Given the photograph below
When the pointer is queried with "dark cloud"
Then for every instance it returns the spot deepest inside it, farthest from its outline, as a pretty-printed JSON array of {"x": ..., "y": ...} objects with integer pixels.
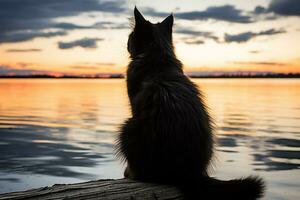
[
  {"x": 193, "y": 41},
  {"x": 8, "y": 37},
  {"x": 110, "y": 25},
  {"x": 17, "y": 17},
  {"x": 84, "y": 43},
  {"x": 224, "y": 13},
  {"x": 261, "y": 13},
  {"x": 119, "y": 26},
  {"x": 70, "y": 26},
  {"x": 98, "y": 25},
  {"x": 246, "y": 36},
  {"x": 19, "y": 10},
  {"x": 285, "y": 7},
  {"x": 195, "y": 33},
  {"x": 26, "y": 35},
  {"x": 22, "y": 50},
  {"x": 241, "y": 37},
  {"x": 227, "y": 13},
  {"x": 279, "y": 8},
  {"x": 189, "y": 31},
  {"x": 8, "y": 70},
  {"x": 260, "y": 10}
]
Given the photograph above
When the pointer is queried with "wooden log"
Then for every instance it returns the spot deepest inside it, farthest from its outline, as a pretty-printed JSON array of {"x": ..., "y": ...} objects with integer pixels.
[{"x": 101, "y": 189}]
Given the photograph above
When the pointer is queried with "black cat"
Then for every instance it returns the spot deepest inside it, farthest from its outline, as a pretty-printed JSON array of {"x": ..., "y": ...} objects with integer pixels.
[{"x": 169, "y": 137}]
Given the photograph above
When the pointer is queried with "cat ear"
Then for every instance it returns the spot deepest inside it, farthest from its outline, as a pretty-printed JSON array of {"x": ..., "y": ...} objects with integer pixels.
[
  {"x": 139, "y": 19},
  {"x": 168, "y": 22}
]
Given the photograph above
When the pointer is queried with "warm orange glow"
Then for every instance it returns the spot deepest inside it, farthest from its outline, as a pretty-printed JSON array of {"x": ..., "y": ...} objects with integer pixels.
[{"x": 111, "y": 56}]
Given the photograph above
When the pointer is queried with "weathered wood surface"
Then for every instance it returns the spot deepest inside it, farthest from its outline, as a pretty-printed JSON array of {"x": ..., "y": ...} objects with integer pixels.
[{"x": 101, "y": 189}]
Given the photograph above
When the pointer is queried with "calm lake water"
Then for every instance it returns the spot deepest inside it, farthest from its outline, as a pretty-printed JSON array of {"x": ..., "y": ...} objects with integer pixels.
[{"x": 63, "y": 131}]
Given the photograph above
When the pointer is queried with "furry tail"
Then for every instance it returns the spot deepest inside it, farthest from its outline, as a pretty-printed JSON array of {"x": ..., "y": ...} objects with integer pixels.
[{"x": 249, "y": 188}]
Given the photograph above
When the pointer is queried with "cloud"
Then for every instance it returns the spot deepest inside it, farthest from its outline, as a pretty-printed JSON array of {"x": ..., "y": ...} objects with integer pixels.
[
  {"x": 84, "y": 43},
  {"x": 71, "y": 26},
  {"x": 279, "y": 8},
  {"x": 98, "y": 25},
  {"x": 22, "y": 50},
  {"x": 28, "y": 35},
  {"x": 260, "y": 10},
  {"x": 92, "y": 66},
  {"x": 26, "y": 10},
  {"x": 285, "y": 7},
  {"x": 227, "y": 13},
  {"x": 85, "y": 67},
  {"x": 224, "y": 13},
  {"x": 254, "y": 51},
  {"x": 8, "y": 70},
  {"x": 261, "y": 13},
  {"x": 265, "y": 63},
  {"x": 195, "y": 33},
  {"x": 18, "y": 17},
  {"x": 119, "y": 26},
  {"x": 246, "y": 36},
  {"x": 192, "y": 41}
]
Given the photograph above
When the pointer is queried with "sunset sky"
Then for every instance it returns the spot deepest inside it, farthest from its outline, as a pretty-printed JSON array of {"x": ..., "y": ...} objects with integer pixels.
[{"x": 90, "y": 36}]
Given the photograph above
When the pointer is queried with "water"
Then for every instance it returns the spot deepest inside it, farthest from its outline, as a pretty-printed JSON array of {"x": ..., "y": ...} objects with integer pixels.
[{"x": 63, "y": 131}]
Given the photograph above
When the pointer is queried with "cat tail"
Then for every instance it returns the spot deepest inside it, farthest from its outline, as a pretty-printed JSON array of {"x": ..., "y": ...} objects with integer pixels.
[{"x": 249, "y": 188}]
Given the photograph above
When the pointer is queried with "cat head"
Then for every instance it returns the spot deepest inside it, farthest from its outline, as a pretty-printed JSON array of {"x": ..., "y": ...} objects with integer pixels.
[{"x": 147, "y": 36}]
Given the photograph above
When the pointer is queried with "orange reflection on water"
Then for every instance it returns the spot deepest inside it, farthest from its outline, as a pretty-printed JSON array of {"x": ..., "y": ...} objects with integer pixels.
[
  {"x": 253, "y": 105},
  {"x": 66, "y": 103},
  {"x": 69, "y": 126}
]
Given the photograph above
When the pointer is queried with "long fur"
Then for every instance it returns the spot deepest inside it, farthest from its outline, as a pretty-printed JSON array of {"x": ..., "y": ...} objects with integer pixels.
[{"x": 169, "y": 138}]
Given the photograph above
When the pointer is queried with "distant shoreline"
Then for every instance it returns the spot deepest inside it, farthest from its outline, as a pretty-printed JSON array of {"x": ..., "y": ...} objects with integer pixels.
[{"x": 122, "y": 76}]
